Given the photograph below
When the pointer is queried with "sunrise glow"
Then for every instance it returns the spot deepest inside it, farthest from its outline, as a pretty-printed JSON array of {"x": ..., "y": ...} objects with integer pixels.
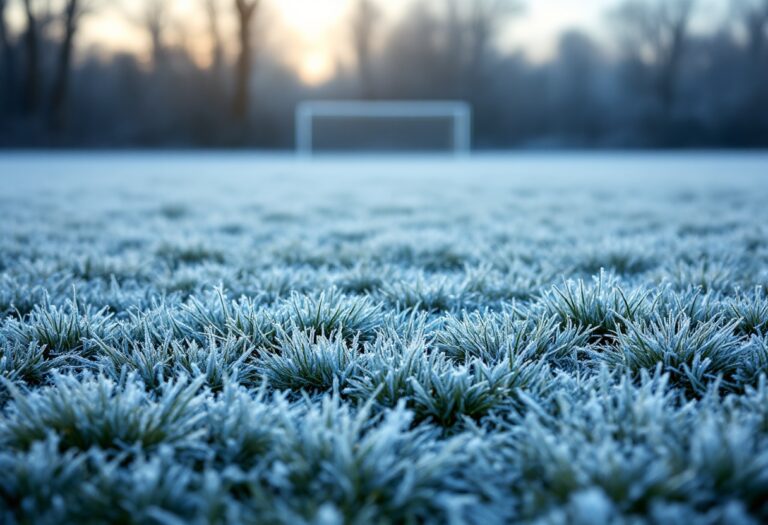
[{"x": 311, "y": 36}]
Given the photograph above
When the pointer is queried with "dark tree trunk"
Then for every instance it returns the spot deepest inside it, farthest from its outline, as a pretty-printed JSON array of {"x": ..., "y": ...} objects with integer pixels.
[
  {"x": 365, "y": 71},
  {"x": 155, "y": 20},
  {"x": 217, "y": 46},
  {"x": 364, "y": 26},
  {"x": 9, "y": 72},
  {"x": 32, "y": 73},
  {"x": 245, "y": 13},
  {"x": 158, "y": 49},
  {"x": 61, "y": 81},
  {"x": 670, "y": 70},
  {"x": 756, "y": 22}
]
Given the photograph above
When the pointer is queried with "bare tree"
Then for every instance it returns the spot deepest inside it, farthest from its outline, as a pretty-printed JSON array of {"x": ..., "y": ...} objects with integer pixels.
[
  {"x": 214, "y": 29},
  {"x": 31, "y": 49},
  {"x": 37, "y": 15},
  {"x": 364, "y": 24},
  {"x": 655, "y": 33},
  {"x": 153, "y": 17},
  {"x": 155, "y": 20},
  {"x": 73, "y": 10},
  {"x": 8, "y": 58},
  {"x": 472, "y": 28},
  {"x": 5, "y": 41},
  {"x": 753, "y": 15},
  {"x": 245, "y": 9},
  {"x": 486, "y": 18}
]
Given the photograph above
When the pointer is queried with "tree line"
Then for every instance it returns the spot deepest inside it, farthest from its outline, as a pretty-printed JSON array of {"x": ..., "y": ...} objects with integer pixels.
[{"x": 660, "y": 84}]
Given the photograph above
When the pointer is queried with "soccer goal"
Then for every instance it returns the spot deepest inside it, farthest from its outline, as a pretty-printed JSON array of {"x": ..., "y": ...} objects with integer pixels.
[{"x": 393, "y": 126}]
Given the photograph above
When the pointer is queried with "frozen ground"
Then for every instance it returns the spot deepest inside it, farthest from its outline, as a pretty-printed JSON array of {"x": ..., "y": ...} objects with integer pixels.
[{"x": 232, "y": 338}]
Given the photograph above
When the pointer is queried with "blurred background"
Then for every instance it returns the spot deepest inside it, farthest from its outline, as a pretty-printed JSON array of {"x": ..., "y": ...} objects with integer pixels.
[{"x": 230, "y": 73}]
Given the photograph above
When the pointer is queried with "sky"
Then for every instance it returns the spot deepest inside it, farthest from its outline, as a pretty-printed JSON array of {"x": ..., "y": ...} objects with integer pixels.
[
  {"x": 312, "y": 34},
  {"x": 318, "y": 24}
]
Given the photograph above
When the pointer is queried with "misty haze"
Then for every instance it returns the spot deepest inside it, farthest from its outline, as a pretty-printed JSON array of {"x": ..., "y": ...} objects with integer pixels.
[{"x": 221, "y": 73}]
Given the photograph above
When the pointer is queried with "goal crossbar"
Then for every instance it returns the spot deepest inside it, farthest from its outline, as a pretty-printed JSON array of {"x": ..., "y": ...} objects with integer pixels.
[{"x": 459, "y": 112}]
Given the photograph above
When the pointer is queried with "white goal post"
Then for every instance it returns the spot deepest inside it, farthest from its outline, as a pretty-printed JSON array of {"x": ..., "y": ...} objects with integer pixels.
[{"x": 459, "y": 113}]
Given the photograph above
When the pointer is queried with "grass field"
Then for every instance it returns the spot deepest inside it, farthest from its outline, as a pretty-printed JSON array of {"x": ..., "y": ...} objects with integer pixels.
[{"x": 222, "y": 339}]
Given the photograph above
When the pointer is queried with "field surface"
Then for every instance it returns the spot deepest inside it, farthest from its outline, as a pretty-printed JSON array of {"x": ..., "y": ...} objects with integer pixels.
[{"x": 239, "y": 339}]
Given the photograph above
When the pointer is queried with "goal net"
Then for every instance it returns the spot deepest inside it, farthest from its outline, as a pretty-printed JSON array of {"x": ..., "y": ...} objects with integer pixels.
[{"x": 365, "y": 127}]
